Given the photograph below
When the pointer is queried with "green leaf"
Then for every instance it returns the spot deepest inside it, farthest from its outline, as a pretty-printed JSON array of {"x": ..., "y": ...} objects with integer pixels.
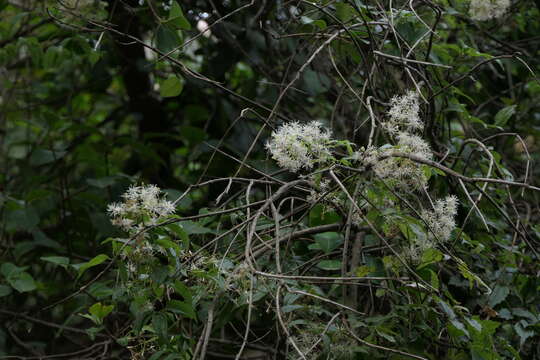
[
  {"x": 183, "y": 308},
  {"x": 329, "y": 265},
  {"x": 318, "y": 216},
  {"x": 498, "y": 295},
  {"x": 523, "y": 334},
  {"x": 17, "y": 277},
  {"x": 183, "y": 290},
  {"x": 344, "y": 12},
  {"x": 504, "y": 115},
  {"x": 316, "y": 83},
  {"x": 363, "y": 271},
  {"x": 328, "y": 241},
  {"x": 167, "y": 39},
  {"x": 192, "y": 227},
  {"x": 99, "y": 312},
  {"x": 4, "y": 290},
  {"x": 102, "y": 183},
  {"x": 58, "y": 260},
  {"x": 25, "y": 219},
  {"x": 177, "y": 18},
  {"x": 159, "y": 323},
  {"x": 180, "y": 232},
  {"x": 23, "y": 282},
  {"x": 430, "y": 256},
  {"x": 171, "y": 87},
  {"x": 42, "y": 156},
  {"x": 81, "y": 268}
]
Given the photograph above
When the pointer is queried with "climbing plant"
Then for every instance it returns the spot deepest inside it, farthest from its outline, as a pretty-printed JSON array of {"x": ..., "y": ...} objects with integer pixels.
[{"x": 308, "y": 179}]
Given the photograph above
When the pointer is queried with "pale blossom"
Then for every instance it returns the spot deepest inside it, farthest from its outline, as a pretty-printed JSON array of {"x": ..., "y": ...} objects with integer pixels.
[
  {"x": 482, "y": 10},
  {"x": 142, "y": 205},
  {"x": 403, "y": 114},
  {"x": 204, "y": 29},
  {"x": 440, "y": 221},
  {"x": 400, "y": 172},
  {"x": 298, "y": 146}
]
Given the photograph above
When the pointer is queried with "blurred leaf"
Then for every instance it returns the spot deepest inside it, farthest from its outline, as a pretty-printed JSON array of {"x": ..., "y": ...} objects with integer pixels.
[
  {"x": 330, "y": 265},
  {"x": 192, "y": 227},
  {"x": 58, "y": 260},
  {"x": 167, "y": 39},
  {"x": 328, "y": 241},
  {"x": 4, "y": 290},
  {"x": 171, "y": 87},
  {"x": 100, "y": 311},
  {"x": 177, "y": 18},
  {"x": 183, "y": 308},
  {"x": 18, "y": 278},
  {"x": 504, "y": 115},
  {"x": 42, "y": 156},
  {"x": 81, "y": 268},
  {"x": 160, "y": 325},
  {"x": 498, "y": 295}
]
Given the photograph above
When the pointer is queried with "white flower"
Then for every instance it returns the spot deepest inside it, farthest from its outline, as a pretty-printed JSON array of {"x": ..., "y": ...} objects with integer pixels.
[
  {"x": 115, "y": 209},
  {"x": 402, "y": 173},
  {"x": 165, "y": 208},
  {"x": 295, "y": 146},
  {"x": 414, "y": 145},
  {"x": 202, "y": 26},
  {"x": 404, "y": 114},
  {"x": 77, "y": 4},
  {"x": 142, "y": 206},
  {"x": 441, "y": 221},
  {"x": 482, "y": 10}
]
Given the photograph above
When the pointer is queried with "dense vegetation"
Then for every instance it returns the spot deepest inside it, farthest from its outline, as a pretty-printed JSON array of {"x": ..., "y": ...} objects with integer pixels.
[{"x": 269, "y": 179}]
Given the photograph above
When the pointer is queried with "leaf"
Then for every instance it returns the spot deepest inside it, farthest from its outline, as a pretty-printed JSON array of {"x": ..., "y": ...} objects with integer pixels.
[
  {"x": 99, "y": 312},
  {"x": 344, "y": 12},
  {"x": 430, "y": 256},
  {"x": 171, "y": 87},
  {"x": 192, "y": 227},
  {"x": 23, "y": 282},
  {"x": 167, "y": 39},
  {"x": 183, "y": 308},
  {"x": 504, "y": 115},
  {"x": 316, "y": 83},
  {"x": 58, "y": 260},
  {"x": 81, "y": 268},
  {"x": 157, "y": 355},
  {"x": 102, "y": 183},
  {"x": 318, "y": 216},
  {"x": 17, "y": 277},
  {"x": 330, "y": 265},
  {"x": 363, "y": 271},
  {"x": 177, "y": 18},
  {"x": 522, "y": 333},
  {"x": 183, "y": 290},
  {"x": 4, "y": 290},
  {"x": 42, "y": 156},
  {"x": 159, "y": 323},
  {"x": 328, "y": 241},
  {"x": 289, "y": 308},
  {"x": 25, "y": 219},
  {"x": 498, "y": 295}
]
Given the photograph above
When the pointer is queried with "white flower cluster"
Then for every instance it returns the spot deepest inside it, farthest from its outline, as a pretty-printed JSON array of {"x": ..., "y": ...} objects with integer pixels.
[
  {"x": 441, "y": 221},
  {"x": 295, "y": 146},
  {"x": 403, "y": 120},
  {"x": 482, "y": 10},
  {"x": 142, "y": 205},
  {"x": 404, "y": 114},
  {"x": 77, "y": 4},
  {"x": 402, "y": 173},
  {"x": 440, "y": 224}
]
